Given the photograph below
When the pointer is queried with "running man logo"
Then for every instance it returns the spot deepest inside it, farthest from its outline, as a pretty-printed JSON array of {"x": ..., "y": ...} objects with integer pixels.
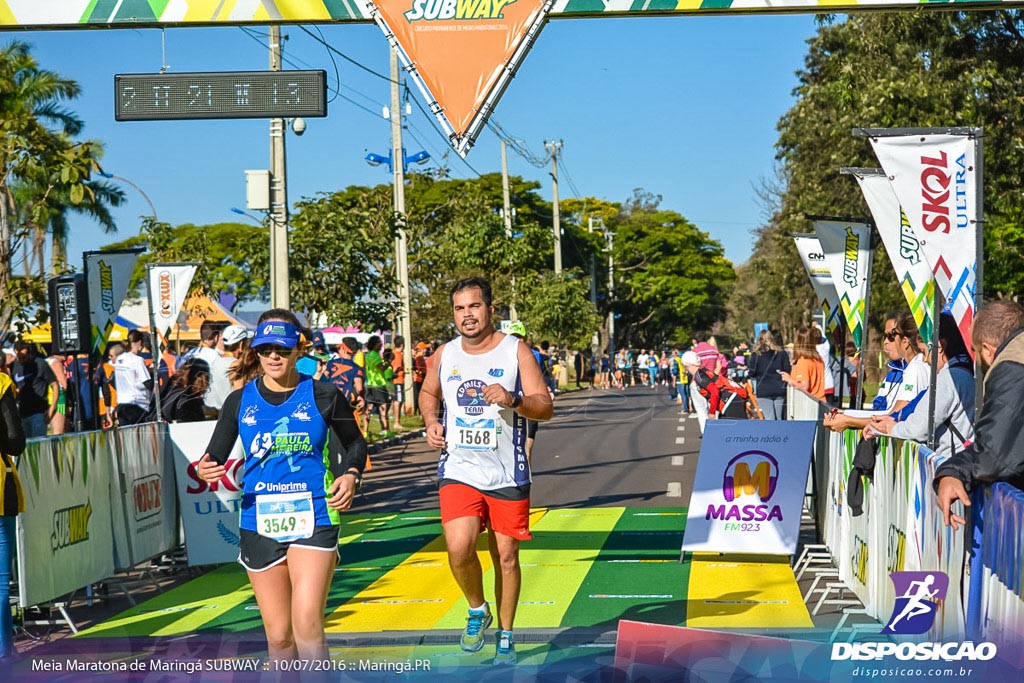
[
  {"x": 70, "y": 526},
  {"x": 850, "y": 257},
  {"x": 442, "y": 10},
  {"x": 107, "y": 288},
  {"x": 917, "y": 594}
]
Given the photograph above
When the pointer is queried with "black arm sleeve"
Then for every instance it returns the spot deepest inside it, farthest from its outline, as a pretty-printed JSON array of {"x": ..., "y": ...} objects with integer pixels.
[
  {"x": 226, "y": 431},
  {"x": 12, "y": 440},
  {"x": 346, "y": 446}
]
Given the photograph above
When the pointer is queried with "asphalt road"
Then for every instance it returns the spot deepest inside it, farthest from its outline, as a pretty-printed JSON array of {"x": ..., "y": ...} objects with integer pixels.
[{"x": 602, "y": 448}]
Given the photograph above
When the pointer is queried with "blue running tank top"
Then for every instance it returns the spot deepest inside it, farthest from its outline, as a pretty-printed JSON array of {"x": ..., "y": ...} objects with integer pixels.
[{"x": 285, "y": 451}]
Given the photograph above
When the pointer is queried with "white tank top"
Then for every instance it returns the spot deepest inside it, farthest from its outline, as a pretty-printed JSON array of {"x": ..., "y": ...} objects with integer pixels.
[{"x": 486, "y": 444}]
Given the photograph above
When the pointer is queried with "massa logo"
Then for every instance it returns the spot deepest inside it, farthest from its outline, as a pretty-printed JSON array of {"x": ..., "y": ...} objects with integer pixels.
[
  {"x": 470, "y": 397},
  {"x": 462, "y": 10},
  {"x": 751, "y": 478},
  {"x": 916, "y": 606}
]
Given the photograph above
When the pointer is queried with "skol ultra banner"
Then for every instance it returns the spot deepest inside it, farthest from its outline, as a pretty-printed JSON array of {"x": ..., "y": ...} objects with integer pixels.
[
  {"x": 935, "y": 180},
  {"x": 847, "y": 249},
  {"x": 821, "y": 277},
  {"x": 109, "y": 274},
  {"x": 461, "y": 53},
  {"x": 168, "y": 287},
  {"x": 749, "y": 487},
  {"x": 905, "y": 251}
]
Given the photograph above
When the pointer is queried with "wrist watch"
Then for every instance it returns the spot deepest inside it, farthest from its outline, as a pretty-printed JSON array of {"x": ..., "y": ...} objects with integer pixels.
[
  {"x": 355, "y": 475},
  {"x": 516, "y": 402}
]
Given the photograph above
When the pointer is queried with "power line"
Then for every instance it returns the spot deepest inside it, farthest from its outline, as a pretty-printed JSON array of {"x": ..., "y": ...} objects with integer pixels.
[{"x": 518, "y": 146}]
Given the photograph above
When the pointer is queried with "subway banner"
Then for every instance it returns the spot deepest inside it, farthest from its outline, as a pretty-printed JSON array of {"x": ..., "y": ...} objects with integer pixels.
[
  {"x": 813, "y": 259},
  {"x": 140, "y": 13},
  {"x": 66, "y": 526},
  {"x": 749, "y": 487},
  {"x": 935, "y": 180},
  {"x": 461, "y": 54},
  {"x": 904, "y": 249},
  {"x": 847, "y": 249},
  {"x": 209, "y": 512},
  {"x": 168, "y": 288},
  {"x": 108, "y": 273}
]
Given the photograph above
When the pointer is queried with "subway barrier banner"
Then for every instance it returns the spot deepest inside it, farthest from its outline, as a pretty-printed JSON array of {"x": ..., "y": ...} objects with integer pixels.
[
  {"x": 209, "y": 512},
  {"x": 904, "y": 250},
  {"x": 64, "y": 535},
  {"x": 168, "y": 287},
  {"x": 935, "y": 180},
  {"x": 847, "y": 249},
  {"x": 108, "y": 273},
  {"x": 749, "y": 487},
  {"x": 461, "y": 55},
  {"x": 813, "y": 259},
  {"x": 145, "y": 505}
]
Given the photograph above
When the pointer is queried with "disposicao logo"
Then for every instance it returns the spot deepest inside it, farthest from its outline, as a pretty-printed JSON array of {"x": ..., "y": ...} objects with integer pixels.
[
  {"x": 749, "y": 474},
  {"x": 916, "y": 596}
]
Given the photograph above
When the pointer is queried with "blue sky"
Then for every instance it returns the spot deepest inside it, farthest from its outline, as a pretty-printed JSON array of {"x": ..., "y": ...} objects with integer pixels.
[{"x": 684, "y": 107}]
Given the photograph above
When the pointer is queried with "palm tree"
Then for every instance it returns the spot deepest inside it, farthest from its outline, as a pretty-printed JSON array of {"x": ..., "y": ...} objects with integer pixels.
[{"x": 36, "y": 148}]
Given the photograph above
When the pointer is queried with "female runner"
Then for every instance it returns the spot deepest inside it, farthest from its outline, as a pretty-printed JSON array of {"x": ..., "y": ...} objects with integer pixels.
[{"x": 304, "y": 457}]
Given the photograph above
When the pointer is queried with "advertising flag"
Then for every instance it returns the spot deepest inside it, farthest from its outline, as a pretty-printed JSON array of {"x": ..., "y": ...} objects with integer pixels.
[
  {"x": 821, "y": 277},
  {"x": 935, "y": 180},
  {"x": 749, "y": 488},
  {"x": 109, "y": 273},
  {"x": 168, "y": 287},
  {"x": 461, "y": 54},
  {"x": 903, "y": 247},
  {"x": 847, "y": 249}
]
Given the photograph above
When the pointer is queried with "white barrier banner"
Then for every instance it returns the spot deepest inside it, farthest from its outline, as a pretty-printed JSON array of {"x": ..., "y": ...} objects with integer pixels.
[
  {"x": 168, "y": 287},
  {"x": 749, "y": 488},
  {"x": 145, "y": 505},
  {"x": 935, "y": 179},
  {"x": 847, "y": 249},
  {"x": 209, "y": 511},
  {"x": 64, "y": 535},
  {"x": 904, "y": 250}
]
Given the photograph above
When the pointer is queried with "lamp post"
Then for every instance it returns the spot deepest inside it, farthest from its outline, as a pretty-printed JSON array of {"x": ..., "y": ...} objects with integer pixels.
[{"x": 111, "y": 176}]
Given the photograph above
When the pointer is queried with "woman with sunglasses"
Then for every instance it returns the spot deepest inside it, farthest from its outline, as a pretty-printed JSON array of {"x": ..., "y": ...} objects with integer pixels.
[{"x": 304, "y": 457}]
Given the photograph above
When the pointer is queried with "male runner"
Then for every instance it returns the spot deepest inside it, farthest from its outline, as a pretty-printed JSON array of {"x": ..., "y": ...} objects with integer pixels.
[{"x": 490, "y": 384}]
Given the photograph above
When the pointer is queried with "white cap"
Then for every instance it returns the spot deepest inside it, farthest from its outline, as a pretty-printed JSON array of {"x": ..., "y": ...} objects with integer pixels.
[
  {"x": 233, "y": 334},
  {"x": 690, "y": 358}
]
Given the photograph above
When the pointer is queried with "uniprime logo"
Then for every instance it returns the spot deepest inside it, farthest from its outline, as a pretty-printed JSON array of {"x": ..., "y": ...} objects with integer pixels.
[
  {"x": 70, "y": 526},
  {"x": 463, "y": 10},
  {"x": 749, "y": 474},
  {"x": 276, "y": 487},
  {"x": 916, "y": 596}
]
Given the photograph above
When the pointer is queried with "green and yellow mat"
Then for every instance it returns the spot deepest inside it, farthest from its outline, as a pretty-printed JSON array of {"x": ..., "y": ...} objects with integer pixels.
[{"x": 586, "y": 568}]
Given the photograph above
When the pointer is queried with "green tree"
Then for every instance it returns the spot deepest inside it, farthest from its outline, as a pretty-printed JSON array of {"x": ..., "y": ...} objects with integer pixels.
[{"x": 558, "y": 308}]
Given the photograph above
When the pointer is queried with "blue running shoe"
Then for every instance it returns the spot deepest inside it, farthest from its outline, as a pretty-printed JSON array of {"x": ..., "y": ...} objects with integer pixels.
[
  {"x": 505, "y": 655},
  {"x": 473, "y": 634}
]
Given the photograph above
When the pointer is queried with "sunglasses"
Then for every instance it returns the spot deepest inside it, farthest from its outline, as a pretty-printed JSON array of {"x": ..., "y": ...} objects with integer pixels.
[
  {"x": 270, "y": 349},
  {"x": 891, "y": 336}
]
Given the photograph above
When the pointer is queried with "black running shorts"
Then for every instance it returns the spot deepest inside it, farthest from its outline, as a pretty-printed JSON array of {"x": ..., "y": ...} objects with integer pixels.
[{"x": 259, "y": 553}]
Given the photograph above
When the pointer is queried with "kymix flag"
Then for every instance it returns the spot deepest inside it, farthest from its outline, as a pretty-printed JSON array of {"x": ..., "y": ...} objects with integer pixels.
[
  {"x": 846, "y": 245},
  {"x": 904, "y": 249},
  {"x": 935, "y": 179},
  {"x": 168, "y": 287},
  {"x": 461, "y": 54}
]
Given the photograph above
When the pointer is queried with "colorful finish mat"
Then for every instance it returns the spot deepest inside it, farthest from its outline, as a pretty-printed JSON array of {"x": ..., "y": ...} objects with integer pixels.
[{"x": 584, "y": 568}]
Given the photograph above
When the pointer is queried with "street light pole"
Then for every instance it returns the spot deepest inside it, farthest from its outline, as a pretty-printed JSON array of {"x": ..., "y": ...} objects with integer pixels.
[
  {"x": 507, "y": 215},
  {"x": 401, "y": 245},
  {"x": 111, "y": 176},
  {"x": 554, "y": 148},
  {"x": 279, "y": 295}
]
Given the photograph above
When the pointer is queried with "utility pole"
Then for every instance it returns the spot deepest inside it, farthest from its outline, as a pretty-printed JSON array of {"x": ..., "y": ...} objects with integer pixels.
[
  {"x": 610, "y": 236},
  {"x": 553, "y": 149},
  {"x": 279, "y": 296},
  {"x": 593, "y": 266},
  {"x": 507, "y": 214},
  {"x": 401, "y": 246}
]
